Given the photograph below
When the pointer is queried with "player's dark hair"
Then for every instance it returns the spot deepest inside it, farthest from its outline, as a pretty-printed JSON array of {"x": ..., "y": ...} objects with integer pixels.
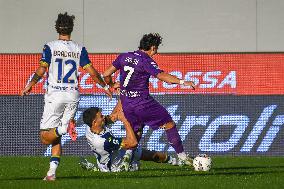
[
  {"x": 90, "y": 114},
  {"x": 149, "y": 40},
  {"x": 64, "y": 24}
]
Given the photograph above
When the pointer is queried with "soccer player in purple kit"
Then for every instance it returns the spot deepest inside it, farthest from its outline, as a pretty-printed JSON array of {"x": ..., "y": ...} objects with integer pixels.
[{"x": 139, "y": 107}]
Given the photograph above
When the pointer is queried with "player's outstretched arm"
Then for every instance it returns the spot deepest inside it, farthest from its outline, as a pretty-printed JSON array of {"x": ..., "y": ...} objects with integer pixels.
[
  {"x": 37, "y": 76},
  {"x": 174, "y": 80},
  {"x": 98, "y": 79}
]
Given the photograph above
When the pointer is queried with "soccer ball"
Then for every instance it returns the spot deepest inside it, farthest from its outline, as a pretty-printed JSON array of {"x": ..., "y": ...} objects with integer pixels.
[{"x": 202, "y": 162}]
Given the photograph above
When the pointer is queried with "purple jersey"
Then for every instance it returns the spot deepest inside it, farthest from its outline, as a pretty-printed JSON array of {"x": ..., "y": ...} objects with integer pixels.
[
  {"x": 135, "y": 70},
  {"x": 139, "y": 107}
]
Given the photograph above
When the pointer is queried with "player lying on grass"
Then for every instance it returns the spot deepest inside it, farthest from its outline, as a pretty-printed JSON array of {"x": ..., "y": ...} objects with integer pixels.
[
  {"x": 123, "y": 162},
  {"x": 111, "y": 152}
]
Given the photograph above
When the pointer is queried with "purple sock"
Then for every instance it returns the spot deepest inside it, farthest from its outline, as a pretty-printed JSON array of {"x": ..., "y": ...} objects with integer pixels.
[{"x": 174, "y": 139}]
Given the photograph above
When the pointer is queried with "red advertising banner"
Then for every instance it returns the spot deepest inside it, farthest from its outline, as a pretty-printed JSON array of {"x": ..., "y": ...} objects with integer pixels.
[{"x": 228, "y": 73}]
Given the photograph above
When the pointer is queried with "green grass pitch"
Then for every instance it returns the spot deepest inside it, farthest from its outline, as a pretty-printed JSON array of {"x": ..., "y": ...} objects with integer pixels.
[{"x": 227, "y": 172}]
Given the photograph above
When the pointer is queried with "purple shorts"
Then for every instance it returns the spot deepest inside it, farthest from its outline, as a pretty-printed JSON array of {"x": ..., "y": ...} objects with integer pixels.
[{"x": 143, "y": 111}]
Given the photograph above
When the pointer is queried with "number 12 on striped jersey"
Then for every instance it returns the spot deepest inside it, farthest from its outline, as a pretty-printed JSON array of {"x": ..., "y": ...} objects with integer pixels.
[{"x": 67, "y": 78}]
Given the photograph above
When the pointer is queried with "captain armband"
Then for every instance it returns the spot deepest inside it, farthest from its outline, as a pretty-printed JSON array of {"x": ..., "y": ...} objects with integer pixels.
[
  {"x": 87, "y": 65},
  {"x": 36, "y": 77},
  {"x": 43, "y": 64}
]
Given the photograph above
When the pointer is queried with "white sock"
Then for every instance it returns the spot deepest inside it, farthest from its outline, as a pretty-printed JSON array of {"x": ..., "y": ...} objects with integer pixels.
[
  {"x": 182, "y": 155},
  {"x": 61, "y": 130},
  {"x": 52, "y": 168}
]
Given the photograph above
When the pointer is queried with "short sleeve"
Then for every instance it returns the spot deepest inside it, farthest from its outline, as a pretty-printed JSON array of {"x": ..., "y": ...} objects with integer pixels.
[
  {"x": 152, "y": 68},
  {"x": 117, "y": 62},
  {"x": 84, "y": 58},
  {"x": 46, "y": 56}
]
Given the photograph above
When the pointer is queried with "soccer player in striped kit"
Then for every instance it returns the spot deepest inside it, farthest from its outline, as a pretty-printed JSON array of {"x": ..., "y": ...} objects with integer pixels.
[{"x": 61, "y": 58}]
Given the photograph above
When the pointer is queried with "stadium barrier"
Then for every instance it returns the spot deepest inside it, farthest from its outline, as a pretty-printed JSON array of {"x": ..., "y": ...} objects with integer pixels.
[{"x": 236, "y": 109}]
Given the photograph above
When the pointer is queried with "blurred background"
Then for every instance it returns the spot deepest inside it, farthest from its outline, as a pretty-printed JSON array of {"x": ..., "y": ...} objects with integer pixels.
[{"x": 105, "y": 26}]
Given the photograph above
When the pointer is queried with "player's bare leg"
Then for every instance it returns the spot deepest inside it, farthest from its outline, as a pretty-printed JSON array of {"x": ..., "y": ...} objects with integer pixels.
[
  {"x": 175, "y": 141},
  {"x": 48, "y": 137},
  {"x": 158, "y": 157},
  {"x": 53, "y": 137}
]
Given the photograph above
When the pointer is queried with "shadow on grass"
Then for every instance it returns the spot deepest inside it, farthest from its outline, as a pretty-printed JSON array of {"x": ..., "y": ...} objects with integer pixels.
[
  {"x": 249, "y": 168},
  {"x": 152, "y": 173},
  {"x": 176, "y": 168}
]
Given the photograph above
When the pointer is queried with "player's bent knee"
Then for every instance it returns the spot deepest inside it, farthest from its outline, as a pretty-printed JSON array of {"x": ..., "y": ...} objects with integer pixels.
[
  {"x": 48, "y": 137},
  {"x": 43, "y": 141},
  {"x": 43, "y": 138}
]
